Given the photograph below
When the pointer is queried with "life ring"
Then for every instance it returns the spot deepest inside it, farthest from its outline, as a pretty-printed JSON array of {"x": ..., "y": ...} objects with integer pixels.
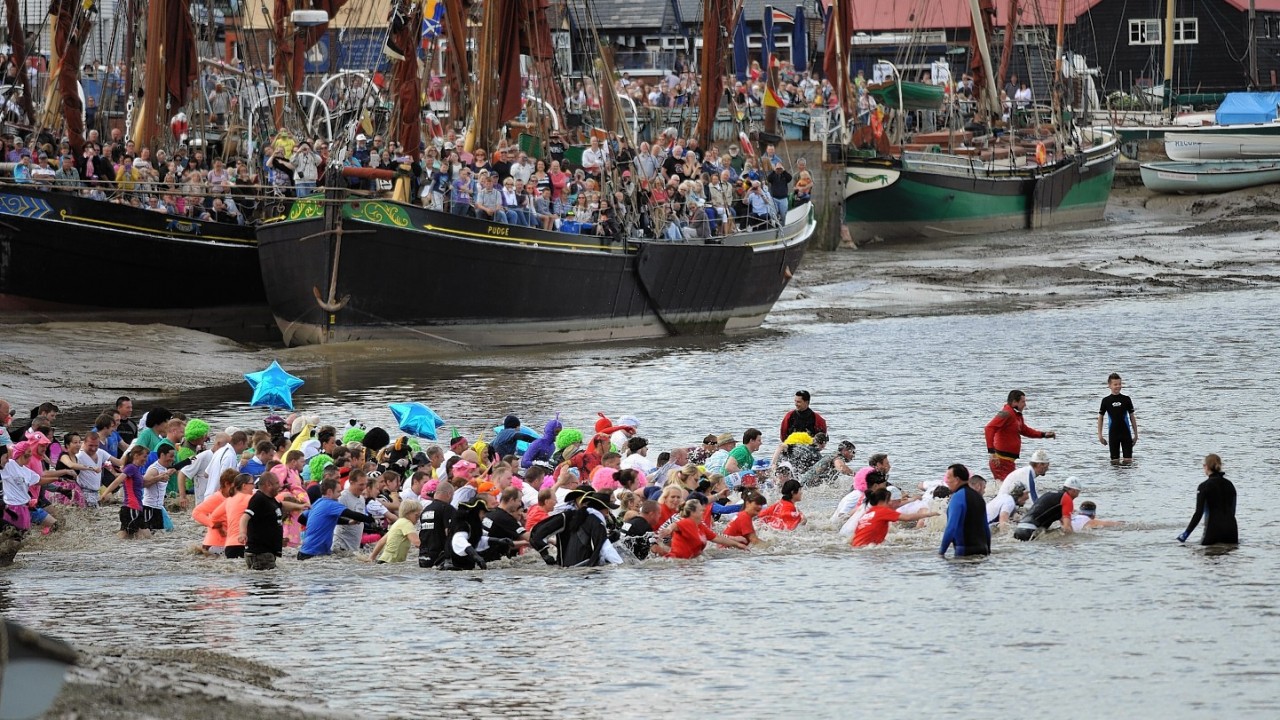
[
  {"x": 1042, "y": 154},
  {"x": 877, "y": 125}
]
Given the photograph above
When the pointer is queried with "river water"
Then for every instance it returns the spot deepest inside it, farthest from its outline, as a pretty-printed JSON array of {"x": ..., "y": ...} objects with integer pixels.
[{"x": 1108, "y": 623}]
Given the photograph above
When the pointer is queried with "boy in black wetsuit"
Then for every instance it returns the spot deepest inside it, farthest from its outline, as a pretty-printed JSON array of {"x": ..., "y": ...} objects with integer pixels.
[{"x": 1123, "y": 431}]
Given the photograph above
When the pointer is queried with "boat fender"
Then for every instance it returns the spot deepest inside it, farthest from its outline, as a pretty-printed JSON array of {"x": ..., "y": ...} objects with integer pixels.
[
  {"x": 877, "y": 124},
  {"x": 1042, "y": 154}
]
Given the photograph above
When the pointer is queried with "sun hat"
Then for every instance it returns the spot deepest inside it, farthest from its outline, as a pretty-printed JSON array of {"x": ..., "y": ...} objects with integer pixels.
[
  {"x": 1039, "y": 456},
  {"x": 723, "y": 438}
]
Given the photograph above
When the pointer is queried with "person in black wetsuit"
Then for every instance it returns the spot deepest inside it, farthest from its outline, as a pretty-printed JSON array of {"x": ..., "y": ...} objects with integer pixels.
[
  {"x": 1051, "y": 507},
  {"x": 1117, "y": 408},
  {"x": 1216, "y": 498}
]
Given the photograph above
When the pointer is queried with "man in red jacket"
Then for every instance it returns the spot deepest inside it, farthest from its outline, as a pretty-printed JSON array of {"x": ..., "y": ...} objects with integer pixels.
[
  {"x": 802, "y": 419},
  {"x": 1005, "y": 432}
]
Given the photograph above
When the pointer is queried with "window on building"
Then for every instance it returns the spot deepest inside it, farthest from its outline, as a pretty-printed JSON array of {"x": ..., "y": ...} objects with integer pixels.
[
  {"x": 1186, "y": 31},
  {"x": 1145, "y": 32},
  {"x": 1149, "y": 31}
]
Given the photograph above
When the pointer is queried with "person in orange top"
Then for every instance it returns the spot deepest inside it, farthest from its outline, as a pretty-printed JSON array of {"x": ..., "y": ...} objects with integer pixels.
[
  {"x": 228, "y": 515},
  {"x": 542, "y": 510},
  {"x": 873, "y": 527},
  {"x": 689, "y": 535},
  {"x": 743, "y": 525},
  {"x": 784, "y": 515},
  {"x": 216, "y": 537}
]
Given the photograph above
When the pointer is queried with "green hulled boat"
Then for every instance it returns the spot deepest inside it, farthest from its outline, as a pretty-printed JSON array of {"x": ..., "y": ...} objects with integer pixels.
[
  {"x": 913, "y": 96},
  {"x": 930, "y": 194}
]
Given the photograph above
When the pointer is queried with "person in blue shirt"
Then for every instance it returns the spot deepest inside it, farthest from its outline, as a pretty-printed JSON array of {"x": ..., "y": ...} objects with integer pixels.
[
  {"x": 967, "y": 527},
  {"x": 263, "y": 453},
  {"x": 322, "y": 518}
]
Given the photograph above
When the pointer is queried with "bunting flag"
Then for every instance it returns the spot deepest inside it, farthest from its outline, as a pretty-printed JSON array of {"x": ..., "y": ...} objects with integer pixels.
[
  {"x": 779, "y": 16},
  {"x": 432, "y": 19},
  {"x": 741, "y": 54},
  {"x": 800, "y": 42},
  {"x": 766, "y": 42},
  {"x": 771, "y": 98}
]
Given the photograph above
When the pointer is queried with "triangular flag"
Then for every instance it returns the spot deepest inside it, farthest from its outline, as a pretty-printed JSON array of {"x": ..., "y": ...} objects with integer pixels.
[{"x": 771, "y": 98}]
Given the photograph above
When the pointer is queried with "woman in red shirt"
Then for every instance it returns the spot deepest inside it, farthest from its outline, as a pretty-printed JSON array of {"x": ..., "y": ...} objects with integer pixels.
[
  {"x": 689, "y": 535},
  {"x": 874, "y": 525},
  {"x": 784, "y": 515},
  {"x": 558, "y": 182},
  {"x": 670, "y": 501},
  {"x": 743, "y": 525}
]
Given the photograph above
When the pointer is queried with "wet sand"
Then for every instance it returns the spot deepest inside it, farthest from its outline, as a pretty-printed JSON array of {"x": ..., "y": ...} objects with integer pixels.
[
  {"x": 1149, "y": 245},
  {"x": 76, "y": 364},
  {"x": 140, "y": 683}
]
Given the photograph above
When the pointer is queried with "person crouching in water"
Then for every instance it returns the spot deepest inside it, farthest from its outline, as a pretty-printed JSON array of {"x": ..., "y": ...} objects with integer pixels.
[
  {"x": 873, "y": 526},
  {"x": 689, "y": 535},
  {"x": 1057, "y": 506},
  {"x": 784, "y": 515},
  {"x": 471, "y": 547},
  {"x": 591, "y": 543},
  {"x": 743, "y": 524}
]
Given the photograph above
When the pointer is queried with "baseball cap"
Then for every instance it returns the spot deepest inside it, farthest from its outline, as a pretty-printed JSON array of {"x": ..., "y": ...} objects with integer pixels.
[
  {"x": 1039, "y": 456},
  {"x": 1072, "y": 484}
]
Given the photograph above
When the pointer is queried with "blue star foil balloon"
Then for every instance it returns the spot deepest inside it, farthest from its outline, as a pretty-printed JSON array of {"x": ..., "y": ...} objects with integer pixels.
[
  {"x": 273, "y": 387},
  {"x": 416, "y": 419}
]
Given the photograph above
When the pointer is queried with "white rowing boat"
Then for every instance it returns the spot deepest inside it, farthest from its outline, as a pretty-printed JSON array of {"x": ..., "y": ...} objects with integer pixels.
[
  {"x": 1209, "y": 176},
  {"x": 1184, "y": 146}
]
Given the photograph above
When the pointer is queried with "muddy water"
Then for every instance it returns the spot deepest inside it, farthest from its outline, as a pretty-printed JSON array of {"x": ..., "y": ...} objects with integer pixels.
[{"x": 1110, "y": 623}]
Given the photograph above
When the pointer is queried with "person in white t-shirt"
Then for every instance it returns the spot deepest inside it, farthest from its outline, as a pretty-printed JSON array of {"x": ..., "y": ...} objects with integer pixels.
[
  {"x": 154, "y": 484},
  {"x": 93, "y": 458},
  {"x": 224, "y": 458},
  {"x": 638, "y": 456},
  {"x": 1003, "y": 508},
  {"x": 1086, "y": 518},
  {"x": 853, "y": 505}
]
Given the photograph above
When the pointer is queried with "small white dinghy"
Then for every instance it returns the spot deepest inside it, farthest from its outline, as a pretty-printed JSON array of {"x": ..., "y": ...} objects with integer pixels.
[{"x": 1209, "y": 176}]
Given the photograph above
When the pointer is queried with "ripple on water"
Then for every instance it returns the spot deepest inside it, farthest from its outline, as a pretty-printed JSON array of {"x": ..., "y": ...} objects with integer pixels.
[{"x": 1122, "y": 620}]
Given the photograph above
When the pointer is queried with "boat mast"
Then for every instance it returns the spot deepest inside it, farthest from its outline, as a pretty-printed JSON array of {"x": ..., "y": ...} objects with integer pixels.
[
  {"x": 981, "y": 40},
  {"x": 145, "y": 126},
  {"x": 838, "y": 33},
  {"x": 717, "y": 16},
  {"x": 18, "y": 42},
  {"x": 1010, "y": 31},
  {"x": 1057, "y": 103},
  {"x": 1253, "y": 45},
  {"x": 1168, "y": 55},
  {"x": 72, "y": 26}
]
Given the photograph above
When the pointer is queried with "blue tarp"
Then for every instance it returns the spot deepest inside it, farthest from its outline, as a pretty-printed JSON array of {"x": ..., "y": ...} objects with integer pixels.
[{"x": 1247, "y": 107}]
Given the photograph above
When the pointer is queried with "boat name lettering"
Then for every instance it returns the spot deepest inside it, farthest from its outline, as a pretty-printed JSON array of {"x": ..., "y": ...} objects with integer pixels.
[
  {"x": 1180, "y": 177},
  {"x": 183, "y": 226},
  {"x": 501, "y": 231}
]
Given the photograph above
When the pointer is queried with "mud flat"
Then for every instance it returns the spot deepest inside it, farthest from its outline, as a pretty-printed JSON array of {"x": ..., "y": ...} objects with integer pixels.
[{"x": 1148, "y": 244}]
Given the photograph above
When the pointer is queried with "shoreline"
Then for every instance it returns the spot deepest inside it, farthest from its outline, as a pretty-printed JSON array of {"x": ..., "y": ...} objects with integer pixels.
[{"x": 1154, "y": 245}]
